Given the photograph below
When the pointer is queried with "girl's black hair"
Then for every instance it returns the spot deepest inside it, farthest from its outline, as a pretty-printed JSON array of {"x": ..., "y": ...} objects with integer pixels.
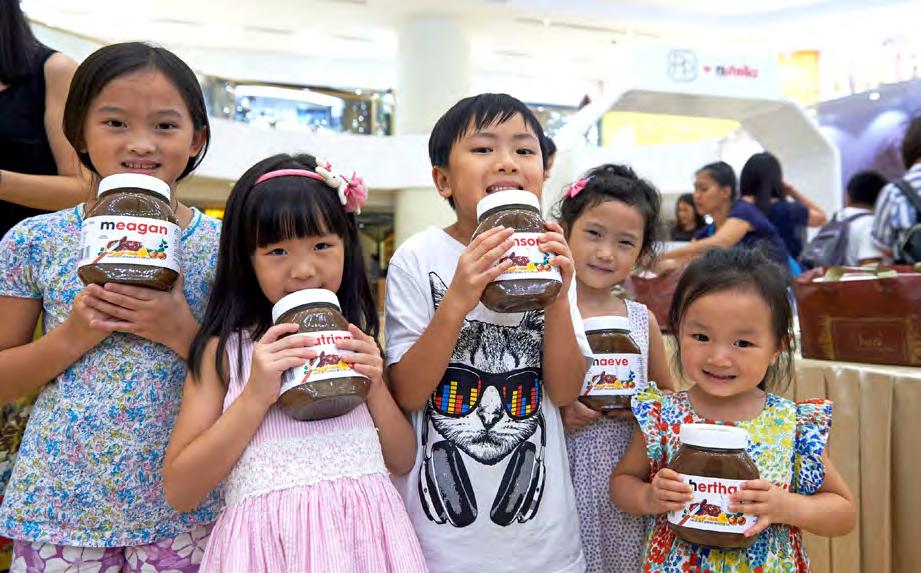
[
  {"x": 18, "y": 46},
  {"x": 740, "y": 269},
  {"x": 479, "y": 111},
  {"x": 688, "y": 199},
  {"x": 257, "y": 215},
  {"x": 116, "y": 60},
  {"x": 613, "y": 182},
  {"x": 723, "y": 174},
  {"x": 762, "y": 178}
]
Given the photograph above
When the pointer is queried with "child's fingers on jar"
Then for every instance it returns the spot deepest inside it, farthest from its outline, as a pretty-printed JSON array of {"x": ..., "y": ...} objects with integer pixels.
[
  {"x": 278, "y": 331},
  {"x": 491, "y": 273},
  {"x": 554, "y": 227},
  {"x": 672, "y": 480},
  {"x": 489, "y": 257},
  {"x": 300, "y": 352},
  {"x": 488, "y": 240},
  {"x": 359, "y": 333},
  {"x": 757, "y": 484},
  {"x": 280, "y": 366},
  {"x": 292, "y": 341},
  {"x": 749, "y": 495},
  {"x": 371, "y": 371},
  {"x": 358, "y": 343},
  {"x": 672, "y": 497},
  {"x": 352, "y": 357},
  {"x": 673, "y": 506}
]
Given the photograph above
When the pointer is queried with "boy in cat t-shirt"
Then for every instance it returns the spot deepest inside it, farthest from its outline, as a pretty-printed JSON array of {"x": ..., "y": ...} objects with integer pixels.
[{"x": 490, "y": 489}]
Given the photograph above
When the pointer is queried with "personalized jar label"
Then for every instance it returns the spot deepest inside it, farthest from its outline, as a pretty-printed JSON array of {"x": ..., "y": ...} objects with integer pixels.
[
  {"x": 710, "y": 507},
  {"x": 327, "y": 365},
  {"x": 528, "y": 260},
  {"x": 129, "y": 240},
  {"x": 612, "y": 375}
]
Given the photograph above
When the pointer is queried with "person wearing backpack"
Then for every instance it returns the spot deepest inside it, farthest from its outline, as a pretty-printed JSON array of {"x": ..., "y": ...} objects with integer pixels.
[
  {"x": 897, "y": 220},
  {"x": 846, "y": 239}
]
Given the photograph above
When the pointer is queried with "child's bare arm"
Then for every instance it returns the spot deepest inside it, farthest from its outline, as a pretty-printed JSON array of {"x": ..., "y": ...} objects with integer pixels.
[
  {"x": 416, "y": 375},
  {"x": 206, "y": 442},
  {"x": 397, "y": 438},
  {"x": 633, "y": 494},
  {"x": 563, "y": 363},
  {"x": 829, "y": 512},
  {"x": 658, "y": 360},
  {"x": 25, "y": 365}
]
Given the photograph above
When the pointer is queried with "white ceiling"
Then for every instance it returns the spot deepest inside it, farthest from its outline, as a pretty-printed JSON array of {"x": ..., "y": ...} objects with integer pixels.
[{"x": 519, "y": 35}]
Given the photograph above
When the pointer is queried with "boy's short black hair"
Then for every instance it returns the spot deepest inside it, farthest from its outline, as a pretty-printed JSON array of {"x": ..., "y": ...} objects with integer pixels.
[
  {"x": 911, "y": 143},
  {"x": 481, "y": 111},
  {"x": 864, "y": 187},
  {"x": 551, "y": 149}
]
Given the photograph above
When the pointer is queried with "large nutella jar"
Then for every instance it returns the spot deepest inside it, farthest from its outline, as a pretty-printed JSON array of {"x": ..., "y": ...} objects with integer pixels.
[
  {"x": 532, "y": 283},
  {"x": 326, "y": 386},
  {"x": 131, "y": 235},
  {"x": 713, "y": 461},
  {"x": 617, "y": 364}
]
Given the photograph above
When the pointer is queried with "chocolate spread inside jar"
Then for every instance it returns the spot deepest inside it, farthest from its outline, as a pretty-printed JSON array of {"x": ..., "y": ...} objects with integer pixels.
[
  {"x": 131, "y": 235},
  {"x": 532, "y": 283},
  {"x": 326, "y": 386},
  {"x": 713, "y": 460},
  {"x": 617, "y": 369}
]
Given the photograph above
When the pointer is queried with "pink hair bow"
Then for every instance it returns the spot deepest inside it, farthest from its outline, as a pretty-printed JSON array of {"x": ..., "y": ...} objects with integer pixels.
[
  {"x": 352, "y": 192},
  {"x": 356, "y": 193},
  {"x": 576, "y": 187}
]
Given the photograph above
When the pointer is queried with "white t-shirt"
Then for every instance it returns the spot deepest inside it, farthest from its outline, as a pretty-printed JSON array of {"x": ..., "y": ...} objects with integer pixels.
[
  {"x": 490, "y": 489},
  {"x": 860, "y": 243}
]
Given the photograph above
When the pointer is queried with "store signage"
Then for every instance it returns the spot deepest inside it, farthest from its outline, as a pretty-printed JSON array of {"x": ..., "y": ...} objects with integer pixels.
[{"x": 736, "y": 73}]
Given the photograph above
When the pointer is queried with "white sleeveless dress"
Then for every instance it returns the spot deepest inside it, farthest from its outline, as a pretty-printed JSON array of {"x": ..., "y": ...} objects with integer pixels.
[{"x": 613, "y": 541}]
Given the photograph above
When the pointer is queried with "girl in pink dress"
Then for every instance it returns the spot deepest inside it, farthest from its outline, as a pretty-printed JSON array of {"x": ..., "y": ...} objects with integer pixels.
[{"x": 300, "y": 496}]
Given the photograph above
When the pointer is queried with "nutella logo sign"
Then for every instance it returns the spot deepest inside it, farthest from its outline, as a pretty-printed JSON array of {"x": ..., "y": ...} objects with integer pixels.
[
  {"x": 716, "y": 487},
  {"x": 737, "y": 71},
  {"x": 139, "y": 228},
  {"x": 722, "y": 71}
]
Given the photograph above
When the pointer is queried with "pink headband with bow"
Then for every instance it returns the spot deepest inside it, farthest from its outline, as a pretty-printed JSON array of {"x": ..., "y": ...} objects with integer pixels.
[{"x": 352, "y": 192}]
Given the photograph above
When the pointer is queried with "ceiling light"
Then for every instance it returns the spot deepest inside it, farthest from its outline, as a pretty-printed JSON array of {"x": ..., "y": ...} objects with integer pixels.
[{"x": 873, "y": 96}]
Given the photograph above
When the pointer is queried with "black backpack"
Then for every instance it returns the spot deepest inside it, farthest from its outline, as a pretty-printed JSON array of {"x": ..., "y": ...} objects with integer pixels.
[
  {"x": 910, "y": 240},
  {"x": 829, "y": 247}
]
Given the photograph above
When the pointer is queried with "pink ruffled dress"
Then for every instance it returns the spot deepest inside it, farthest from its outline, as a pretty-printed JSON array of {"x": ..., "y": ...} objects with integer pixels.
[{"x": 309, "y": 496}]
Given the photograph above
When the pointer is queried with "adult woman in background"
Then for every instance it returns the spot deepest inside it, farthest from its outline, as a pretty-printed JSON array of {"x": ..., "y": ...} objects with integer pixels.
[
  {"x": 39, "y": 170},
  {"x": 687, "y": 220},
  {"x": 761, "y": 184},
  {"x": 734, "y": 221}
]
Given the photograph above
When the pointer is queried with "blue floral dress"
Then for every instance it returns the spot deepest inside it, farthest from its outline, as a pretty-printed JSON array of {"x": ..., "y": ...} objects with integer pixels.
[
  {"x": 786, "y": 442},
  {"x": 89, "y": 467}
]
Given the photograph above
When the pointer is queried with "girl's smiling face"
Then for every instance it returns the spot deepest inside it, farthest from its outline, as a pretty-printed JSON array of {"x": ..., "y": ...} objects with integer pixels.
[
  {"x": 139, "y": 123},
  {"x": 727, "y": 342},
  {"x": 606, "y": 241}
]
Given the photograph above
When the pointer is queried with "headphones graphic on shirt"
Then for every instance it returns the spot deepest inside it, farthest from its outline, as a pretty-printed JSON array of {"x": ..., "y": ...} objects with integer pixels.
[{"x": 448, "y": 497}]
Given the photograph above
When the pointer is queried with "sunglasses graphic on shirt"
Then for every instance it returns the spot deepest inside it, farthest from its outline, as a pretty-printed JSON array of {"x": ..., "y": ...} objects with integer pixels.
[{"x": 462, "y": 387}]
